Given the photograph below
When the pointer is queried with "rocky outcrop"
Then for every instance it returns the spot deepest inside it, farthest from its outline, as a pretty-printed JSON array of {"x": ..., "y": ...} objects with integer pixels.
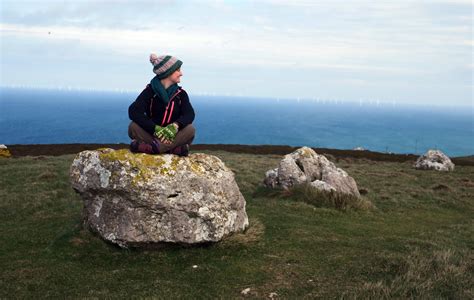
[
  {"x": 137, "y": 199},
  {"x": 306, "y": 166},
  {"x": 434, "y": 160},
  {"x": 4, "y": 152}
]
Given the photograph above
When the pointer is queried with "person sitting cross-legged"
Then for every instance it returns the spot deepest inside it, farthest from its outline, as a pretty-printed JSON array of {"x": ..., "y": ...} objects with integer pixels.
[{"x": 162, "y": 114}]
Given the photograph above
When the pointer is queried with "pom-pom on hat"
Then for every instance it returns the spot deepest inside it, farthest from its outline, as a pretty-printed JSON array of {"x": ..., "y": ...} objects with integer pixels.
[{"x": 165, "y": 65}]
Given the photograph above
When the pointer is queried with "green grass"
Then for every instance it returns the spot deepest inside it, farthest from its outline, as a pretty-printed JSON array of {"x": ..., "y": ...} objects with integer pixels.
[{"x": 417, "y": 240}]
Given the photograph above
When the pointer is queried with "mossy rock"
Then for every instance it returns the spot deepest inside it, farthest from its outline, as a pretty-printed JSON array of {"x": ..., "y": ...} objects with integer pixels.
[
  {"x": 134, "y": 199},
  {"x": 5, "y": 153}
]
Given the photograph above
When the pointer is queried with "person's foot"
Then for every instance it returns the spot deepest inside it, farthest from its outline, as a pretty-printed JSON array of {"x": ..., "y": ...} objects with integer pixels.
[
  {"x": 142, "y": 147},
  {"x": 182, "y": 150},
  {"x": 134, "y": 146}
]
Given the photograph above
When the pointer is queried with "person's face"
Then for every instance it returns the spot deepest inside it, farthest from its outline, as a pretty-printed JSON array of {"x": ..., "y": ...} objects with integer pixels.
[{"x": 176, "y": 76}]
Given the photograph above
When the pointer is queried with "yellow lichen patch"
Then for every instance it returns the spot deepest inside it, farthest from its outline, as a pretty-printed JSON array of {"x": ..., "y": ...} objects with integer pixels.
[
  {"x": 111, "y": 155},
  {"x": 201, "y": 163},
  {"x": 196, "y": 167},
  {"x": 174, "y": 163},
  {"x": 170, "y": 165},
  {"x": 145, "y": 164},
  {"x": 5, "y": 153},
  {"x": 146, "y": 160}
]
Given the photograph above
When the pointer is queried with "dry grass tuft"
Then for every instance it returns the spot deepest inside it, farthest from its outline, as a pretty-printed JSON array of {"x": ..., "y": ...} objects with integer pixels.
[
  {"x": 420, "y": 275},
  {"x": 46, "y": 175},
  {"x": 467, "y": 182},
  {"x": 336, "y": 200},
  {"x": 39, "y": 157}
]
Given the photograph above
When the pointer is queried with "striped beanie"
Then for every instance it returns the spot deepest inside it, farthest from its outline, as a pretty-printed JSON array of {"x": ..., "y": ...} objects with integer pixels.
[{"x": 165, "y": 65}]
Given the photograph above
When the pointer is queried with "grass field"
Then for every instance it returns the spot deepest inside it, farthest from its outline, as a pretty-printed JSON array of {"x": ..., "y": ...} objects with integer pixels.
[{"x": 417, "y": 240}]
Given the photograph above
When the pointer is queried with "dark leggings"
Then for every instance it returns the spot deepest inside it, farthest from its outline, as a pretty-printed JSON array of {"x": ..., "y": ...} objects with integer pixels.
[{"x": 184, "y": 136}]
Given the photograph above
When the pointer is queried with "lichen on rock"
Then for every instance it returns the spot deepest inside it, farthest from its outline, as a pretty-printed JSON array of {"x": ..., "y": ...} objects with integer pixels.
[
  {"x": 135, "y": 199},
  {"x": 4, "y": 152}
]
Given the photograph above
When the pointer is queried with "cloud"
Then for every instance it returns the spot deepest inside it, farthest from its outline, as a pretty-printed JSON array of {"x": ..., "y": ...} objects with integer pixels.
[
  {"x": 292, "y": 52},
  {"x": 355, "y": 41}
]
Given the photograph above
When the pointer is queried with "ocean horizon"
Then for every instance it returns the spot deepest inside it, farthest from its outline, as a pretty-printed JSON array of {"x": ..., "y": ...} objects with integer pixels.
[{"x": 54, "y": 116}]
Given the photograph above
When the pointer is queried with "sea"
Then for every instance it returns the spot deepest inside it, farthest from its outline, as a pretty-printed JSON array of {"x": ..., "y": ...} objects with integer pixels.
[{"x": 57, "y": 116}]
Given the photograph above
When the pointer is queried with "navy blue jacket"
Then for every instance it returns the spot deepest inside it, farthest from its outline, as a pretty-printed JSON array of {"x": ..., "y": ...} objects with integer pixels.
[{"x": 149, "y": 110}]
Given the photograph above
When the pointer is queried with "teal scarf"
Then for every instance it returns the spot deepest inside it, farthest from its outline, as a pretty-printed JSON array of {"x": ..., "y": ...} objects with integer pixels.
[{"x": 159, "y": 89}]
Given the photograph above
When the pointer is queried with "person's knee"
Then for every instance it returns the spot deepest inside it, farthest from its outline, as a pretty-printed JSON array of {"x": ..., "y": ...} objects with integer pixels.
[
  {"x": 132, "y": 130},
  {"x": 187, "y": 134},
  {"x": 135, "y": 132},
  {"x": 190, "y": 130},
  {"x": 133, "y": 126}
]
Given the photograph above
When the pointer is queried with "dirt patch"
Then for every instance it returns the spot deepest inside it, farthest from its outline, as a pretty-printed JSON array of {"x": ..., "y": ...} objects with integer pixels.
[
  {"x": 441, "y": 187},
  {"x": 467, "y": 182},
  {"x": 47, "y": 175},
  {"x": 253, "y": 234},
  {"x": 77, "y": 241}
]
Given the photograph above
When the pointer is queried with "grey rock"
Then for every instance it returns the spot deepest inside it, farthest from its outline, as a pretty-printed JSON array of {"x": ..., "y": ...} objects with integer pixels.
[
  {"x": 289, "y": 173},
  {"x": 340, "y": 180},
  {"x": 306, "y": 166},
  {"x": 271, "y": 178},
  {"x": 322, "y": 186},
  {"x": 245, "y": 291},
  {"x": 138, "y": 199},
  {"x": 434, "y": 160}
]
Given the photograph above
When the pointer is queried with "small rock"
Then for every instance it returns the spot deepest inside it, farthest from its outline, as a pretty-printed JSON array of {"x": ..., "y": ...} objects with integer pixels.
[
  {"x": 245, "y": 291},
  {"x": 306, "y": 166},
  {"x": 434, "y": 160},
  {"x": 273, "y": 295},
  {"x": 322, "y": 186},
  {"x": 271, "y": 177},
  {"x": 4, "y": 152}
]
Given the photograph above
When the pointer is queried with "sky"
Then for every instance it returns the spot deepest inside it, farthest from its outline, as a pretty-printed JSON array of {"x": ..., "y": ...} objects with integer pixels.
[{"x": 407, "y": 51}]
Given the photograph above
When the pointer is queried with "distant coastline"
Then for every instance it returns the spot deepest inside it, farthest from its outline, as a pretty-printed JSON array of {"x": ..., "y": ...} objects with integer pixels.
[{"x": 339, "y": 154}]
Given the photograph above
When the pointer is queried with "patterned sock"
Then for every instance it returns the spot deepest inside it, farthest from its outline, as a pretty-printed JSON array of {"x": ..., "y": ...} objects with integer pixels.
[{"x": 142, "y": 147}]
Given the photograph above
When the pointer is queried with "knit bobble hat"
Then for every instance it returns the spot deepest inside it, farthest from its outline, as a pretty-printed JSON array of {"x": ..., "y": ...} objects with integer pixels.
[{"x": 165, "y": 65}]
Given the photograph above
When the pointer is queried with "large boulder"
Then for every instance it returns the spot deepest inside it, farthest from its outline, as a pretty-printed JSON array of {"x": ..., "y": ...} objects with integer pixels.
[
  {"x": 138, "y": 199},
  {"x": 306, "y": 166},
  {"x": 434, "y": 160}
]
